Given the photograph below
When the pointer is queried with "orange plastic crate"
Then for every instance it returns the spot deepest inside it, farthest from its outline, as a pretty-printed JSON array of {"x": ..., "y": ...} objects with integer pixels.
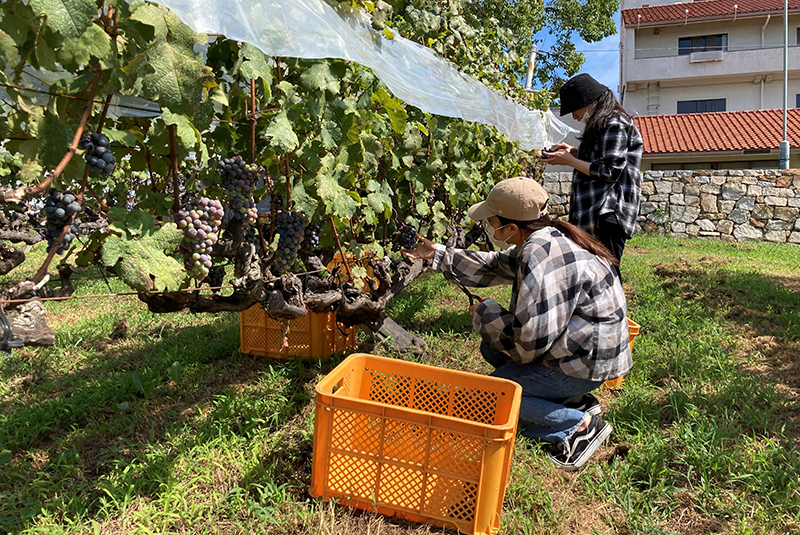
[
  {"x": 313, "y": 336},
  {"x": 633, "y": 331},
  {"x": 423, "y": 443}
]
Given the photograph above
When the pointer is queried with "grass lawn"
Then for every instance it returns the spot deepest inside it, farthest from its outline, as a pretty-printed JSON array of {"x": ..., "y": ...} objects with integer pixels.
[{"x": 144, "y": 423}]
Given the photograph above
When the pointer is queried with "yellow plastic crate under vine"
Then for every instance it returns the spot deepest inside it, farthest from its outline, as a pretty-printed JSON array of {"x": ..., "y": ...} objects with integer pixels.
[
  {"x": 633, "y": 332},
  {"x": 314, "y": 336},
  {"x": 422, "y": 443}
]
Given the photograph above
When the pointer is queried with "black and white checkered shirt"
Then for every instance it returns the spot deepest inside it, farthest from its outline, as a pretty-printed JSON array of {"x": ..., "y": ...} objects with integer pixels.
[
  {"x": 567, "y": 306},
  {"x": 614, "y": 183}
]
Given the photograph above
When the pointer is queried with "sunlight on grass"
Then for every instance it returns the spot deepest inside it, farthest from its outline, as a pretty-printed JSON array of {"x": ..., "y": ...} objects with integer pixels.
[{"x": 144, "y": 423}]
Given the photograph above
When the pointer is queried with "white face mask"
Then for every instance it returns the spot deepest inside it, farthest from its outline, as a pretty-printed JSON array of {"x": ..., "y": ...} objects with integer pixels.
[
  {"x": 585, "y": 118},
  {"x": 502, "y": 245}
]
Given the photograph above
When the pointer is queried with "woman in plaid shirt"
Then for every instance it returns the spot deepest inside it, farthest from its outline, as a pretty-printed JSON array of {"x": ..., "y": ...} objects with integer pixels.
[
  {"x": 565, "y": 331},
  {"x": 607, "y": 181}
]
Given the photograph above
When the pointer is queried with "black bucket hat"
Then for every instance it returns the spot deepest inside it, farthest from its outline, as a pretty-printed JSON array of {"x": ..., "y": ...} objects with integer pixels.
[{"x": 579, "y": 92}]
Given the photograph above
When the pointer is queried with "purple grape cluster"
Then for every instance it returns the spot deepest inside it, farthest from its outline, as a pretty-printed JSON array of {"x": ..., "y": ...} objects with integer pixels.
[
  {"x": 199, "y": 220},
  {"x": 215, "y": 278},
  {"x": 311, "y": 237},
  {"x": 405, "y": 237},
  {"x": 238, "y": 181},
  {"x": 290, "y": 227},
  {"x": 60, "y": 207},
  {"x": 98, "y": 155}
]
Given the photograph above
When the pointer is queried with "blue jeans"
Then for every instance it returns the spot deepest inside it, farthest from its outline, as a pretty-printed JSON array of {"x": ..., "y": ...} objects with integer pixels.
[{"x": 541, "y": 414}]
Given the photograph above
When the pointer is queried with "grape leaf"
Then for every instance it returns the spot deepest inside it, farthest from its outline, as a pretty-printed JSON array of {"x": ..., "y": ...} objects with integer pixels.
[
  {"x": 320, "y": 77},
  {"x": 127, "y": 138},
  {"x": 175, "y": 79},
  {"x": 70, "y": 18},
  {"x": 380, "y": 197},
  {"x": 287, "y": 95},
  {"x": 343, "y": 113},
  {"x": 371, "y": 150},
  {"x": 204, "y": 117},
  {"x": 55, "y": 142},
  {"x": 94, "y": 42},
  {"x": 138, "y": 256},
  {"x": 30, "y": 172},
  {"x": 337, "y": 199},
  {"x": 303, "y": 202},
  {"x": 394, "y": 109},
  {"x": 154, "y": 16},
  {"x": 331, "y": 134},
  {"x": 169, "y": 71},
  {"x": 8, "y": 49},
  {"x": 435, "y": 165},
  {"x": 440, "y": 219},
  {"x": 280, "y": 133},
  {"x": 252, "y": 63},
  {"x": 184, "y": 129}
]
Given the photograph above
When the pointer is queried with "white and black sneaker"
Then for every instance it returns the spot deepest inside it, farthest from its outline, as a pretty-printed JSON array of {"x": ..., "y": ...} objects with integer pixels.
[
  {"x": 586, "y": 403},
  {"x": 574, "y": 452}
]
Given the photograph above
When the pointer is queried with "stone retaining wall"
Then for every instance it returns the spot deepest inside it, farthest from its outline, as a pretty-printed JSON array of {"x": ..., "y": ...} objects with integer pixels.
[{"x": 735, "y": 204}]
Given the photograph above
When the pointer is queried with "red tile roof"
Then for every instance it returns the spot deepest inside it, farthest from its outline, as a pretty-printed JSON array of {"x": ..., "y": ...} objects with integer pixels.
[
  {"x": 702, "y": 10},
  {"x": 723, "y": 131}
]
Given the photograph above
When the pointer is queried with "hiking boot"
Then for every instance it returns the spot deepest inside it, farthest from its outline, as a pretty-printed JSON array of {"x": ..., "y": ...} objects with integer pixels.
[
  {"x": 586, "y": 403},
  {"x": 575, "y": 451}
]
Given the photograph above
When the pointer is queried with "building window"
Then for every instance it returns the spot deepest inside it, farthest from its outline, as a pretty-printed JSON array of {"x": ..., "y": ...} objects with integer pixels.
[
  {"x": 702, "y": 43},
  {"x": 797, "y": 101},
  {"x": 701, "y": 106}
]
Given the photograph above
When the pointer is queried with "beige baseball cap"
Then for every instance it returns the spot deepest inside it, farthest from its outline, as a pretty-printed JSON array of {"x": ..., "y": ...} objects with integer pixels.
[{"x": 518, "y": 198}]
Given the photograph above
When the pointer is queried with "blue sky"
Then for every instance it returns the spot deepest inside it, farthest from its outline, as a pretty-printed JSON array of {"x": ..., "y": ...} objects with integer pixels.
[{"x": 602, "y": 58}]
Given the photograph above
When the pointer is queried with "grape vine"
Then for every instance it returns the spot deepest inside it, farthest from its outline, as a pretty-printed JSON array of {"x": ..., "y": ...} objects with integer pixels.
[{"x": 348, "y": 152}]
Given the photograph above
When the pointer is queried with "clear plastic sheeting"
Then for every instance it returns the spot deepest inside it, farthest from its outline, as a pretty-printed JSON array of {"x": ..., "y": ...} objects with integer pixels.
[{"x": 312, "y": 29}]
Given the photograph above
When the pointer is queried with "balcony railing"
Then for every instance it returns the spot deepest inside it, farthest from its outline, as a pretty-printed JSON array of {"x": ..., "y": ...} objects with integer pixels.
[
  {"x": 710, "y": 63},
  {"x": 650, "y": 53}
]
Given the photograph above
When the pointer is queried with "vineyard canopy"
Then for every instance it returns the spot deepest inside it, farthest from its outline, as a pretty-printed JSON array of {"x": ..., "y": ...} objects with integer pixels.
[{"x": 313, "y": 29}]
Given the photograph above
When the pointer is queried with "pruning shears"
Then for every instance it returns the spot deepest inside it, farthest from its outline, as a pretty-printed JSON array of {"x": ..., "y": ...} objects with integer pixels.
[{"x": 472, "y": 296}]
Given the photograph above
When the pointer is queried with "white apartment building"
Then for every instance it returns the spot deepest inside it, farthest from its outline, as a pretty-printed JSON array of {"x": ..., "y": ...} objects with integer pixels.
[
  {"x": 681, "y": 61},
  {"x": 707, "y": 56}
]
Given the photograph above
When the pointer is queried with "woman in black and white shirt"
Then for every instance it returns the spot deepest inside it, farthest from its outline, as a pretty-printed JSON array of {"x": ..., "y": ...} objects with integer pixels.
[
  {"x": 607, "y": 181},
  {"x": 565, "y": 331}
]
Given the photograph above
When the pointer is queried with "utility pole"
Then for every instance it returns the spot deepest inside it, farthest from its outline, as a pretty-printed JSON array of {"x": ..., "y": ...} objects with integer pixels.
[
  {"x": 784, "y": 147},
  {"x": 531, "y": 62}
]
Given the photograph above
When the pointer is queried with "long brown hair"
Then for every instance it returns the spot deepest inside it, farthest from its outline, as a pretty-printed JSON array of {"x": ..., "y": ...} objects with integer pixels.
[{"x": 579, "y": 236}]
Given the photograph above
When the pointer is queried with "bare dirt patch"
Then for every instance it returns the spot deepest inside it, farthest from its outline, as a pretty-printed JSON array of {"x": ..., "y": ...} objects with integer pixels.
[
  {"x": 688, "y": 520},
  {"x": 577, "y": 514}
]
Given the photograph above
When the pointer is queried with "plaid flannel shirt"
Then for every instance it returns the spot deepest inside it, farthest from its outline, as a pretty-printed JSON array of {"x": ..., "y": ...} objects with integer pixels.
[
  {"x": 567, "y": 310},
  {"x": 614, "y": 183}
]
